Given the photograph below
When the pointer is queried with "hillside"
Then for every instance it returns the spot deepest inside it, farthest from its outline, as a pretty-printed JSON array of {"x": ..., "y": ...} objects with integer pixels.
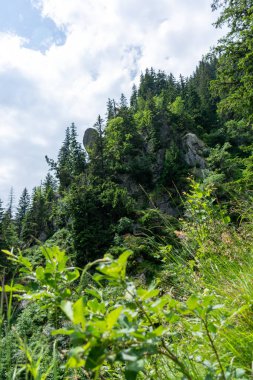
[{"x": 132, "y": 258}]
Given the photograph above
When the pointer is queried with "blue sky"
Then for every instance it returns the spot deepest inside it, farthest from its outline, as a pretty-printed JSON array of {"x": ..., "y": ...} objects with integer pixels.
[
  {"x": 62, "y": 59},
  {"x": 23, "y": 18}
]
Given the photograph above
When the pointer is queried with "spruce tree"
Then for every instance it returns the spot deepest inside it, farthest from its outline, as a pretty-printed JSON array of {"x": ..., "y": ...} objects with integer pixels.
[
  {"x": 8, "y": 236},
  {"x": 22, "y": 209},
  {"x": 71, "y": 161},
  {"x": 235, "y": 72},
  {"x": 134, "y": 98},
  {"x": 77, "y": 157},
  {"x": 111, "y": 109}
]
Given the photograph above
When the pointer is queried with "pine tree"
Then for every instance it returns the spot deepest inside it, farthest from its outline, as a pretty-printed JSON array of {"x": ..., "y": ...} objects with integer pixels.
[
  {"x": 77, "y": 154},
  {"x": 235, "y": 70},
  {"x": 123, "y": 101},
  {"x": 71, "y": 160},
  {"x": 22, "y": 209},
  {"x": 98, "y": 151},
  {"x": 8, "y": 235},
  {"x": 63, "y": 172},
  {"x": 111, "y": 109},
  {"x": 35, "y": 220},
  {"x": 10, "y": 203},
  {"x": 1, "y": 210},
  {"x": 134, "y": 98}
]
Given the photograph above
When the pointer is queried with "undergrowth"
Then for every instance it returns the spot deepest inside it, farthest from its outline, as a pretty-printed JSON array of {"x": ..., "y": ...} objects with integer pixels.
[{"x": 192, "y": 320}]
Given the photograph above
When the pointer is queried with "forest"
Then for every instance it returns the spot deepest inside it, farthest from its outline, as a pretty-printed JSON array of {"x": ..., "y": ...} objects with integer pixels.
[{"x": 132, "y": 258}]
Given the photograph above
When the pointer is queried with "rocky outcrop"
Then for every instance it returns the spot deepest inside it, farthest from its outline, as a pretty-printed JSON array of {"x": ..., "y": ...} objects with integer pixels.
[
  {"x": 193, "y": 151},
  {"x": 158, "y": 165},
  {"x": 163, "y": 203},
  {"x": 163, "y": 151},
  {"x": 90, "y": 138},
  {"x": 165, "y": 135}
]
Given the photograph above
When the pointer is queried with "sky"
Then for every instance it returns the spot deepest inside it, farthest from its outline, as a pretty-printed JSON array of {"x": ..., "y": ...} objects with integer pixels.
[{"x": 61, "y": 60}]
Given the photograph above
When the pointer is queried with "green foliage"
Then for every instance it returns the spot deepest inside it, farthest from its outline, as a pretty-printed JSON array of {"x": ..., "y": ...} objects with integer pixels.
[
  {"x": 37, "y": 221},
  {"x": 177, "y": 107},
  {"x": 8, "y": 234},
  {"x": 22, "y": 209},
  {"x": 121, "y": 142},
  {"x": 204, "y": 213},
  {"x": 71, "y": 160},
  {"x": 133, "y": 324},
  {"x": 93, "y": 211},
  {"x": 234, "y": 73}
]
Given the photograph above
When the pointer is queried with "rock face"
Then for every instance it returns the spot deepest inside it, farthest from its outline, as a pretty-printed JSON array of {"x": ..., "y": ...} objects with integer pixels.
[
  {"x": 158, "y": 165},
  {"x": 161, "y": 151},
  {"x": 89, "y": 138},
  {"x": 163, "y": 203},
  {"x": 193, "y": 151},
  {"x": 165, "y": 135}
]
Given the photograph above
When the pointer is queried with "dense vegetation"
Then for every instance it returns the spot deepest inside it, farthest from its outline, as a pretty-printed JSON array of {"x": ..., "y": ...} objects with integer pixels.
[{"x": 133, "y": 258}]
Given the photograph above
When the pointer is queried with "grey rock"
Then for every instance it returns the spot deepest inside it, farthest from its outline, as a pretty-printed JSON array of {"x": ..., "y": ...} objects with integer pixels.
[
  {"x": 193, "y": 151},
  {"x": 165, "y": 135},
  {"x": 128, "y": 183},
  {"x": 89, "y": 138},
  {"x": 158, "y": 166},
  {"x": 163, "y": 203}
]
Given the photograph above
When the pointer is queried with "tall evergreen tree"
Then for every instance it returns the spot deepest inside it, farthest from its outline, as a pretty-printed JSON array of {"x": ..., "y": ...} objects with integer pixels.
[
  {"x": 35, "y": 221},
  {"x": 77, "y": 157},
  {"x": 71, "y": 160},
  {"x": 1, "y": 210},
  {"x": 9, "y": 236},
  {"x": 22, "y": 209},
  {"x": 111, "y": 109},
  {"x": 97, "y": 153},
  {"x": 134, "y": 98},
  {"x": 235, "y": 71}
]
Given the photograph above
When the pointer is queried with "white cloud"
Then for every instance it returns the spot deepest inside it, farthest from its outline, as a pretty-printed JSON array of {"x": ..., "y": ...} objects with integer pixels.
[
  {"x": 7, "y": 169},
  {"x": 108, "y": 44}
]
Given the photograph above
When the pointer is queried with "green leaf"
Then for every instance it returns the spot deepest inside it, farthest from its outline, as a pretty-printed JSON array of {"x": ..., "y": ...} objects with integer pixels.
[
  {"x": 62, "y": 332},
  {"x": 72, "y": 276},
  {"x": 24, "y": 261},
  {"x": 75, "y": 360},
  {"x": 133, "y": 368},
  {"x": 40, "y": 273},
  {"x": 95, "y": 358},
  {"x": 112, "y": 317},
  {"x": 122, "y": 260},
  {"x": 94, "y": 293},
  {"x": 116, "y": 269},
  {"x": 13, "y": 288},
  {"x": 212, "y": 328},
  {"x": 9, "y": 253},
  {"x": 226, "y": 219},
  {"x": 147, "y": 294},
  {"x": 67, "y": 308},
  {"x": 192, "y": 302},
  {"x": 78, "y": 312},
  {"x": 159, "y": 331},
  {"x": 95, "y": 306}
]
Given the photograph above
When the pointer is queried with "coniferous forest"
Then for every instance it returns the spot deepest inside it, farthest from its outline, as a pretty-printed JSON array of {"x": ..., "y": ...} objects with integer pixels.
[{"x": 133, "y": 259}]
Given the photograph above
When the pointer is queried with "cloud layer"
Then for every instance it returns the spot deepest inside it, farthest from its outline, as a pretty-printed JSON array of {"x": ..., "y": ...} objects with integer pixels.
[{"x": 108, "y": 44}]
